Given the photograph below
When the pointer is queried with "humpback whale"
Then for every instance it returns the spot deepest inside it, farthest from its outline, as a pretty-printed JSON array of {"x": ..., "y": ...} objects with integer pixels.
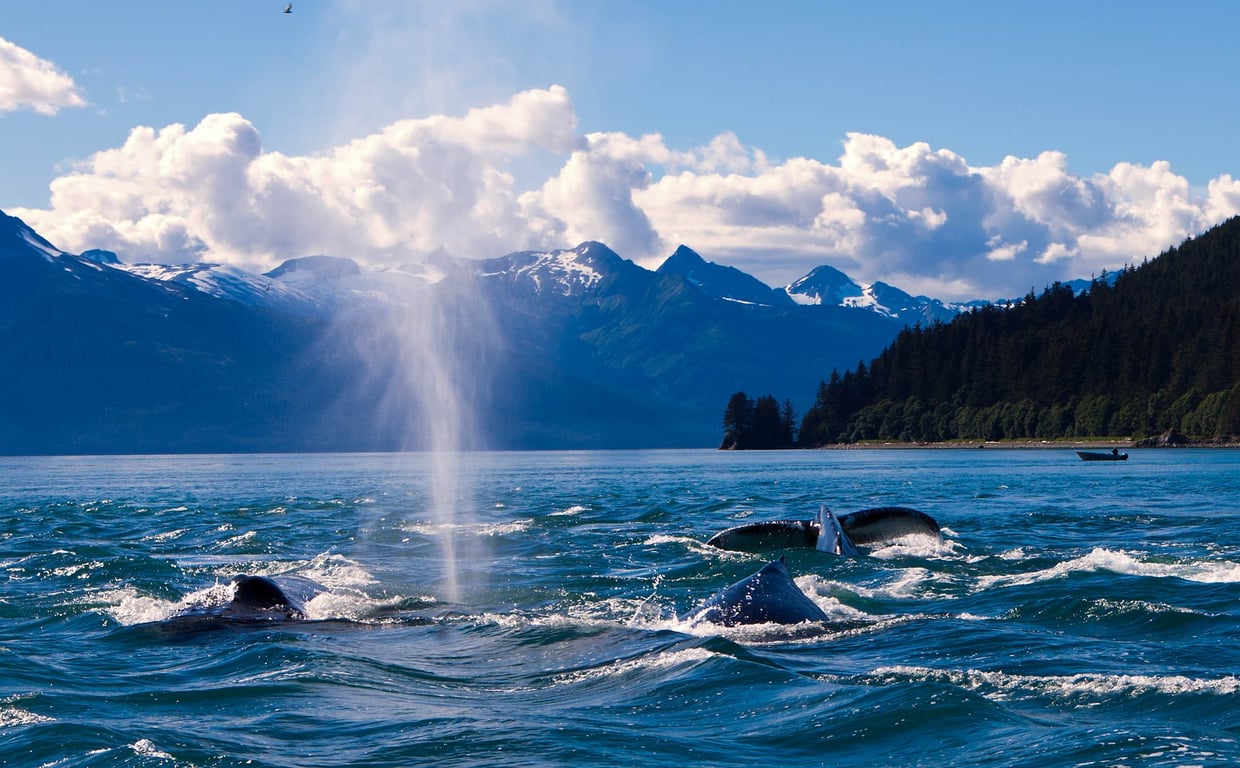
[
  {"x": 767, "y": 597},
  {"x": 837, "y": 535},
  {"x": 257, "y": 599}
]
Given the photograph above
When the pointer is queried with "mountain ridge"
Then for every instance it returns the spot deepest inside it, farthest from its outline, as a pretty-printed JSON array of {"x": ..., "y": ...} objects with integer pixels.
[{"x": 561, "y": 348}]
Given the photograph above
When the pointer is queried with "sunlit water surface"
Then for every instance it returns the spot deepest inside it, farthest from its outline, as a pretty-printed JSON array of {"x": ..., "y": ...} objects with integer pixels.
[{"x": 1074, "y": 614}]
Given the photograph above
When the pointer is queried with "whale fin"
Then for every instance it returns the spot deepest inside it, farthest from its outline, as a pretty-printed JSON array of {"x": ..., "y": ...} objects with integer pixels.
[
  {"x": 766, "y": 536},
  {"x": 840, "y": 534},
  {"x": 887, "y": 523},
  {"x": 831, "y": 536}
]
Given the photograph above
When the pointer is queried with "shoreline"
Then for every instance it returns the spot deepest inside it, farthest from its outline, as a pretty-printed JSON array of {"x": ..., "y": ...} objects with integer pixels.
[{"x": 1016, "y": 445}]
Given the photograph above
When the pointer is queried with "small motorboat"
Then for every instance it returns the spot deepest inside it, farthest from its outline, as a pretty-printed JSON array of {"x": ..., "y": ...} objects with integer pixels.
[{"x": 1114, "y": 455}]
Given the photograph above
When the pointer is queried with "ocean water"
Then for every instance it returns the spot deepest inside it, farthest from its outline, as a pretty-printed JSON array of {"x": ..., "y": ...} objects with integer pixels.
[{"x": 1073, "y": 614}]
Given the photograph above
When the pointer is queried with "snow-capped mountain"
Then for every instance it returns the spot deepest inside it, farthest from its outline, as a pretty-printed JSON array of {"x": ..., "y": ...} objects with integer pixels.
[
  {"x": 582, "y": 348},
  {"x": 569, "y": 272},
  {"x": 828, "y": 286},
  {"x": 222, "y": 281},
  {"x": 315, "y": 283},
  {"x": 18, "y": 240}
]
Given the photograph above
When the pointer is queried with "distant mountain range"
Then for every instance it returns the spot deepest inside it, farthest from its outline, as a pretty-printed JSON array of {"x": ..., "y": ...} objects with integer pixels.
[{"x": 559, "y": 349}]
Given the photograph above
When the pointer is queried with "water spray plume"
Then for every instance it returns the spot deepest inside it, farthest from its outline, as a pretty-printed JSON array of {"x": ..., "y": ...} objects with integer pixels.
[{"x": 425, "y": 354}]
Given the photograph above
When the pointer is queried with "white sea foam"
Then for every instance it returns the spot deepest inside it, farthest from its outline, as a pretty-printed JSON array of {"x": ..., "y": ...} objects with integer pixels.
[
  {"x": 1100, "y": 559},
  {"x": 902, "y": 584},
  {"x": 77, "y": 569},
  {"x": 907, "y": 583},
  {"x": 345, "y": 597},
  {"x": 166, "y": 536},
  {"x": 128, "y": 607},
  {"x": 237, "y": 540},
  {"x": 576, "y": 509},
  {"x": 337, "y": 572},
  {"x": 147, "y": 748},
  {"x": 425, "y": 528},
  {"x": 689, "y": 542},
  {"x": 917, "y": 545},
  {"x": 1001, "y": 685},
  {"x": 12, "y": 716}
]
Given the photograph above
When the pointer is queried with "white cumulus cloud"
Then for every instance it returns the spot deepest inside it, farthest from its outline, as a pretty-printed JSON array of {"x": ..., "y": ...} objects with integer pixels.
[
  {"x": 917, "y": 217},
  {"x": 28, "y": 82},
  {"x": 212, "y": 191}
]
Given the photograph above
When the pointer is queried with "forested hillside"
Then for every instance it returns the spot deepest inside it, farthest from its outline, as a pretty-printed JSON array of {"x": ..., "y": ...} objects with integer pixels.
[{"x": 1157, "y": 350}]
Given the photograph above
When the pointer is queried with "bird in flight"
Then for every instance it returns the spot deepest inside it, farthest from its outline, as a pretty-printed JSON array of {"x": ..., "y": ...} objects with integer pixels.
[{"x": 288, "y": 8}]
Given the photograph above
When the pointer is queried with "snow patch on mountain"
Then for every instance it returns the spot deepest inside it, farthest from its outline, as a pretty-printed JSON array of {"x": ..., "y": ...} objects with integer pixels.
[
  {"x": 42, "y": 246},
  {"x": 825, "y": 286},
  {"x": 570, "y": 272},
  {"x": 220, "y": 280}
]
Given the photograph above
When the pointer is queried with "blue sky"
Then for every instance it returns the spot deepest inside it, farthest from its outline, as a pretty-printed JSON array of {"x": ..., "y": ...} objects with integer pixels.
[{"x": 956, "y": 149}]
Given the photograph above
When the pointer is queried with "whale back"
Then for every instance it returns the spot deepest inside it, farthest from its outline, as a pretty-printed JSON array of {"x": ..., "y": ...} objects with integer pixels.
[
  {"x": 769, "y": 596},
  {"x": 286, "y": 595}
]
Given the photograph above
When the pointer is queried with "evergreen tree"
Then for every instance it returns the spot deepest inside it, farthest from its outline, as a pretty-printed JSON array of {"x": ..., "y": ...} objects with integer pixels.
[
  {"x": 1157, "y": 348},
  {"x": 787, "y": 425},
  {"x": 765, "y": 430},
  {"x": 760, "y": 424},
  {"x": 737, "y": 421}
]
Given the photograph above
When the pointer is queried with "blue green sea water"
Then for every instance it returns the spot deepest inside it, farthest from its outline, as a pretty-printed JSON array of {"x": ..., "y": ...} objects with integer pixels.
[{"x": 1073, "y": 614}]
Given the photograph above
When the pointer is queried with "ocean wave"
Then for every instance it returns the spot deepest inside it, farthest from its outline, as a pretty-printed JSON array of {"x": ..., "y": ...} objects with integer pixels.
[
  {"x": 645, "y": 663},
  {"x": 1101, "y": 559},
  {"x": 1002, "y": 685},
  {"x": 914, "y": 583}
]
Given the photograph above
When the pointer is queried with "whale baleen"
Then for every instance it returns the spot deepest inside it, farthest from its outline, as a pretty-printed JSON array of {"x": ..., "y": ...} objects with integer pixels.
[
  {"x": 839, "y": 535},
  {"x": 769, "y": 596}
]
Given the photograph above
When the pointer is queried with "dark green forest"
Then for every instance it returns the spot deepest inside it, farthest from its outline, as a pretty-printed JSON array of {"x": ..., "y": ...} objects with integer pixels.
[
  {"x": 1156, "y": 350},
  {"x": 760, "y": 424}
]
